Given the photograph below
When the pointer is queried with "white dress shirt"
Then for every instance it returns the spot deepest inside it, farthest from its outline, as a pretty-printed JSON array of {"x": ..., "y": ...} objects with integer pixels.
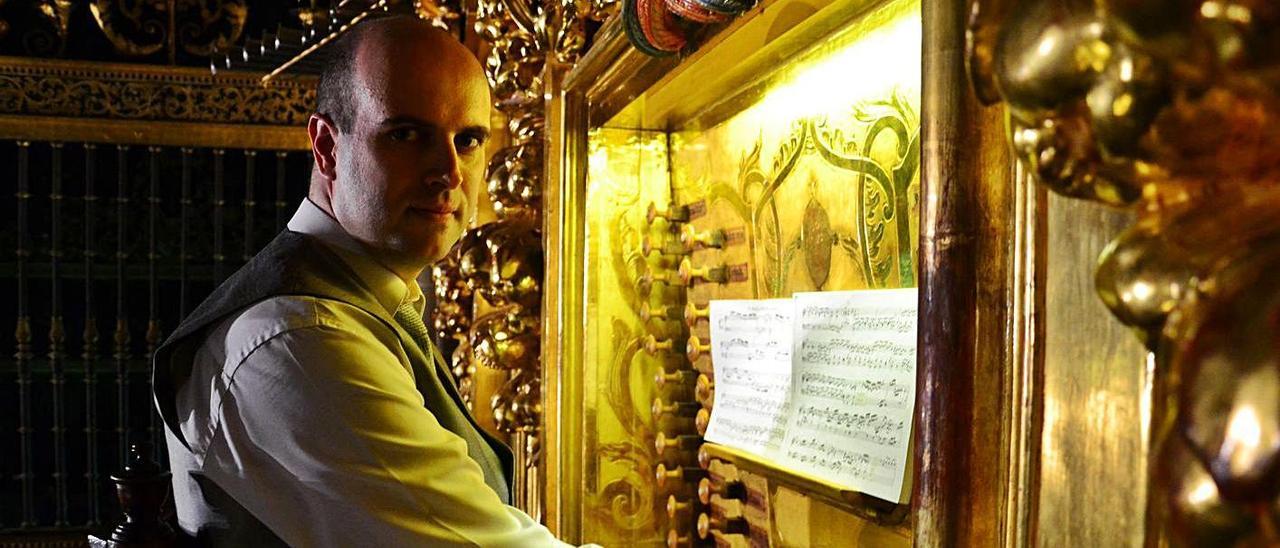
[{"x": 304, "y": 410}]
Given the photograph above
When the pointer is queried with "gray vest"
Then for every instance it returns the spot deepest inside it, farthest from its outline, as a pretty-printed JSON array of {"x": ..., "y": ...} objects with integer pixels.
[{"x": 296, "y": 264}]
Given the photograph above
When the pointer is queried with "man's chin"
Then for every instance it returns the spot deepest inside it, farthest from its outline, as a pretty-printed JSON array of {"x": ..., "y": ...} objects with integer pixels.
[
  {"x": 437, "y": 245},
  {"x": 422, "y": 251}
]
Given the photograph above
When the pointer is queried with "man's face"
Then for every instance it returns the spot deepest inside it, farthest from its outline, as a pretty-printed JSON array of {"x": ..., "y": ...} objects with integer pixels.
[{"x": 407, "y": 172}]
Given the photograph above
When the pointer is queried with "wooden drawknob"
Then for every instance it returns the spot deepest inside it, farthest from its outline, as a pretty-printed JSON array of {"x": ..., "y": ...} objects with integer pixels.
[
  {"x": 690, "y": 275},
  {"x": 677, "y": 507},
  {"x": 674, "y": 409},
  {"x": 704, "y": 458},
  {"x": 675, "y": 378},
  {"x": 694, "y": 348},
  {"x": 664, "y": 443},
  {"x": 676, "y": 540},
  {"x": 645, "y": 282},
  {"x": 648, "y": 312},
  {"x": 723, "y": 488},
  {"x": 676, "y": 214},
  {"x": 727, "y": 526},
  {"x": 663, "y": 246},
  {"x": 704, "y": 390},
  {"x": 677, "y": 474},
  {"x": 691, "y": 238},
  {"x": 653, "y": 345},
  {"x": 693, "y": 313}
]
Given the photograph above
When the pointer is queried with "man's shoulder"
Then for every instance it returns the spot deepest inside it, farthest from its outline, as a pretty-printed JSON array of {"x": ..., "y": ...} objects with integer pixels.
[{"x": 243, "y": 332}]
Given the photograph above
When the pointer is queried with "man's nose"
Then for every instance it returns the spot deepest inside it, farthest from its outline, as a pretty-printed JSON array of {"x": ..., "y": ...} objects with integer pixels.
[{"x": 447, "y": 165}]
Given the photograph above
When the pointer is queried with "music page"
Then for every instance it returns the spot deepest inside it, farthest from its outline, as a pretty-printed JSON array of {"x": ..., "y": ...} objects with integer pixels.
[
  {"x": 852, "y": 390},
  {"x": 751, "y": 360}
]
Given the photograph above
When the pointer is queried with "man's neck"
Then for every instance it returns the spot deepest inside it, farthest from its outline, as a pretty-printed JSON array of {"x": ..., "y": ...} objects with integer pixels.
[{"x": 406, "y": 268}]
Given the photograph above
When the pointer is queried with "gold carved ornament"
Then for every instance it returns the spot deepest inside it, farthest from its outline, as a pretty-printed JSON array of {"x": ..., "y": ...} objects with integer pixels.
[
  {"x": 1171, "y": 109},
  {"x": 502, "y": 262},
  {"x": 144, "y": 27},
  {"x": 49, "y": 36}
]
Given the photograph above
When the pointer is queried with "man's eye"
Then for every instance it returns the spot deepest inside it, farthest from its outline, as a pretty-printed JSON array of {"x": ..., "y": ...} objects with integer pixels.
[
  {"x": 468, "y": 142},
  {"x": 405, "y": 134}
]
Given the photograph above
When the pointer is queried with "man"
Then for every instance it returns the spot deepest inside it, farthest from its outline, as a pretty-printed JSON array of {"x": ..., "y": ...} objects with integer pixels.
[{"x": 304, "y": 402}]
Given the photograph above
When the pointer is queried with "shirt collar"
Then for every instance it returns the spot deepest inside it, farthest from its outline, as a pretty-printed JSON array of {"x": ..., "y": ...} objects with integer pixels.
[{"x": 389, "y": 288}]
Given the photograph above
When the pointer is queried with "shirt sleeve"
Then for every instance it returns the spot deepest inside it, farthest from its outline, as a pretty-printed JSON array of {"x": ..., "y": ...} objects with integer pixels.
[{"x": 325, "y": 439}]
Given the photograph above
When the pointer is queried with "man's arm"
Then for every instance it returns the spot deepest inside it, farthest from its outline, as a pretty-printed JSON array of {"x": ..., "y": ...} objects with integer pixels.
[{"x": 324, "y": 438}]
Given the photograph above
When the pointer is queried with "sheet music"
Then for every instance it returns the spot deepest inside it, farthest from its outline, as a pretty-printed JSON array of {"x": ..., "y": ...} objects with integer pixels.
[
  {"x": 853, "y": 388},
  {"x": 751, "y": 359}
]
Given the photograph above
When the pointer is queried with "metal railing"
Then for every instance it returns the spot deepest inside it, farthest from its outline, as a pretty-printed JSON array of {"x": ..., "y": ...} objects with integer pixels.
[{"x": 103, "y": 249}]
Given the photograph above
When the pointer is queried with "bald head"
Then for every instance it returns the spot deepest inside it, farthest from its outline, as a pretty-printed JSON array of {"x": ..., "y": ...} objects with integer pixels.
[
  {"x": 399, "y": 140},
  {"x": 373, "y": 50}
]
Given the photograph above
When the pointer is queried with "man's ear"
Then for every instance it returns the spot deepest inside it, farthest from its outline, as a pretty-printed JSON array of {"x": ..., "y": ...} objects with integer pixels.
[{"x": 324, "y": 138}]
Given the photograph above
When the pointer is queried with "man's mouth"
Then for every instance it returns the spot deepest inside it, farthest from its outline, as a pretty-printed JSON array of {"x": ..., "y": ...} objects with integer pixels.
[{"x": 439, "y": 211}]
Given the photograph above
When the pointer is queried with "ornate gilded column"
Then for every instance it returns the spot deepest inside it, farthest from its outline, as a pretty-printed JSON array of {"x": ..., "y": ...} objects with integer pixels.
[
  {"x": 489, "y": 287},
  {"x": 1169, "y": 108}
]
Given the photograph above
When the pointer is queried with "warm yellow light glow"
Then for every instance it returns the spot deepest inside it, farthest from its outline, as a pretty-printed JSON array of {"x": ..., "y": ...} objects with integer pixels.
[
  {"x": 1203, "y": 493},
  {"x": 1122, "y": 104},
  {"x": 1235, "y": 13},
  {"x": 1244, "y": 434},
  {"x": 874, "y": 65},
  {"x": 1047, "y": 45},
  {"x": 1140, "y": 292}
]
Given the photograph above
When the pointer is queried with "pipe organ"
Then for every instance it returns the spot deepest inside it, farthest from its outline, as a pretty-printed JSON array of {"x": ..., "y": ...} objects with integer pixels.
[{"x": 716, "y": 178}]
